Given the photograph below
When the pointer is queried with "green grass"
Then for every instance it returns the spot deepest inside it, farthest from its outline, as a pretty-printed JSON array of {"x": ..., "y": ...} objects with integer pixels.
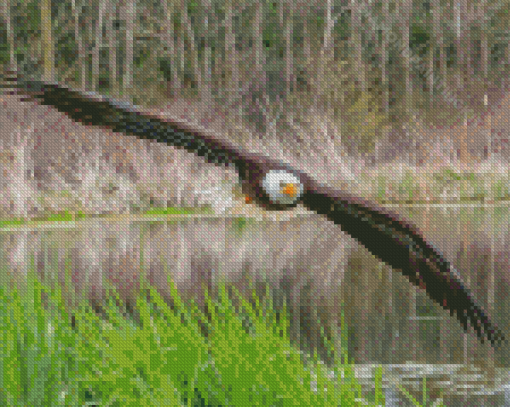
[
  {"x": 56, "y": 354},
  {"x": 57, "y": 217},
  {"x": 66, "y": 216},
  {"x": 176, "y": 211}
]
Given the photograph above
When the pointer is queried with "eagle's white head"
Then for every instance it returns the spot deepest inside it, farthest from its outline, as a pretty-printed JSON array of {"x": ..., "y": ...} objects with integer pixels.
[{"x": 282, "y": 187}]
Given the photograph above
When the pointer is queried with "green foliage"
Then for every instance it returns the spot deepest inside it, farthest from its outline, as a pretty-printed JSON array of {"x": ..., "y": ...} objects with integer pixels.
[
  {"x": 241, "y": 223},
  {"x": 56, "y": 355},
  {"x": 66, "y": 216}
]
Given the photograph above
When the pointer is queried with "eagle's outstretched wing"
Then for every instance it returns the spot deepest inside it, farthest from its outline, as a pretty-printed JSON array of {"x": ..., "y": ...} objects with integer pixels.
[
  {"x": 399, "y": 244},
  {"x": 90, "y": 108},
  {"x": 384, "y": 234}
]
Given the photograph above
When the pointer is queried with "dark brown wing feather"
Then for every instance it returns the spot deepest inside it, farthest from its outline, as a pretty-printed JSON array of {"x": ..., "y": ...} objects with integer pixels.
[
  {"x": 401, "y": 245},
  {"x": 384, "y": 234},
  {"x": 89, "y": 108}
]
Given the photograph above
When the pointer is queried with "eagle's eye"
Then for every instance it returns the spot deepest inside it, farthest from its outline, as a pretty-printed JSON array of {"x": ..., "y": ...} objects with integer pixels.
[{"x": 282, "y": 187}]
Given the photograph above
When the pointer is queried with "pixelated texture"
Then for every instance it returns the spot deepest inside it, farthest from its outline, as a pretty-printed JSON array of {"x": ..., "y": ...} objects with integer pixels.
[{"x": 352, "y": 156}]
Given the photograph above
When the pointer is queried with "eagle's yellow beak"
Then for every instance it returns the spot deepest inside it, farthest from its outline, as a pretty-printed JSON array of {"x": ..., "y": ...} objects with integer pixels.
[
  {"x": 290, "y": 190},
  {"x": 247, "y": 199}
]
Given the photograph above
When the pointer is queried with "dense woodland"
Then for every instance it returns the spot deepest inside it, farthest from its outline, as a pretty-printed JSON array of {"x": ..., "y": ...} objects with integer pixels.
[{"x": 370, "y": 66}]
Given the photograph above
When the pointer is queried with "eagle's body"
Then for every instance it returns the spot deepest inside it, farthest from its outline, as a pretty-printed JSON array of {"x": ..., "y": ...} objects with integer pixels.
[{"x": 274, "y": 185}]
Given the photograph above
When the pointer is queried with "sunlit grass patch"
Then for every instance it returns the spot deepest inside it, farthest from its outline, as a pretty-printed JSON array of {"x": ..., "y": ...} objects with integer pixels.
[
  {"x": 156, "y": 354},
  {"x": 177, "y": 211},
  {"x": 66, "y": 216}
]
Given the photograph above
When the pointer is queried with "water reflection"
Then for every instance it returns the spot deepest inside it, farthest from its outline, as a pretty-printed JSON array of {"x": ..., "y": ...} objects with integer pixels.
[{"x": 310, "y": 262}]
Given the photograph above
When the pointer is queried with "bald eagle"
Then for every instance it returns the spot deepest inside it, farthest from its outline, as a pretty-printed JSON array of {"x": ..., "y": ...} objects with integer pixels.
[{"x": 274, "y": 185}]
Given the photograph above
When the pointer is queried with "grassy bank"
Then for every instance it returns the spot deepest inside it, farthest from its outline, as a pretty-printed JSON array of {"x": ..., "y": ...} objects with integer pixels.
[
  {"x": 66, "y": 216},
  {"x": 153, "y": 354}
]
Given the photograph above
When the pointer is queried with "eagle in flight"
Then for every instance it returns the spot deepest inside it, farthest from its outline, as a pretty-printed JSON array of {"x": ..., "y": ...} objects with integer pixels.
[{"x": 274, "y": 185}]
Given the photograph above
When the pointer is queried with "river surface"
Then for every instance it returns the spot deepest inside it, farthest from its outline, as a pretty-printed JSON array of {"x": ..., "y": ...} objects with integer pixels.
[{"x": 316, "y": 267}]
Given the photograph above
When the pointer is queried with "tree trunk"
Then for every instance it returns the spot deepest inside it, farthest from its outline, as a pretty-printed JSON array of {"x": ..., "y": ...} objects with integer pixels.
[
  {"x": 230, "y": 66},
  {"x": 384, "y": 59},
  {"x": 325, "y": 55},
  {"x": 128, "y": 64},
  {"x": 405, "y": 13},
  {"x": 10, "y": 35},
  {"x": 81, "y": 50},
  {"x": 356, "y": 44},
  {"x": 197, "y": 76},
  {"x": 96, "y": 54},
  {"x": 112, "y": 47},
  {"x": 289, "y": 56},
  {"x": 47, "y": 40},
  {"x": 206, "y": 89},
  {"x": 169, "y": 47}
]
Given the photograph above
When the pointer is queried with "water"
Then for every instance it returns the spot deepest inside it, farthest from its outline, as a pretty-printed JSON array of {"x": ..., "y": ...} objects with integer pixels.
[{"x": 315, "y": 266}]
